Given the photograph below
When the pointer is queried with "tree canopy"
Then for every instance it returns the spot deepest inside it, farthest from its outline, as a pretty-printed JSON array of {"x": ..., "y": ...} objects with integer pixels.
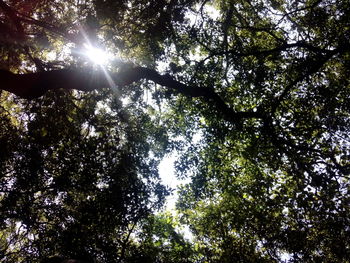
[{"x": 252, "y": 95}]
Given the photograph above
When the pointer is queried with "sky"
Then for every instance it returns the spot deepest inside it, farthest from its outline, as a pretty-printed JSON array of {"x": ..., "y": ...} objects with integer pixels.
[{"x": 168, "y": 177}]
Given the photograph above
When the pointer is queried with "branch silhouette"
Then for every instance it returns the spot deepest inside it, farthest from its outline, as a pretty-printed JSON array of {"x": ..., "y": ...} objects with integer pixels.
[{"x": 34, "y": 85}]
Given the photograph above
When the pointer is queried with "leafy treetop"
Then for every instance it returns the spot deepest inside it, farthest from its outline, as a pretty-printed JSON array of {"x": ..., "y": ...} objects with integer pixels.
[{"x": 264, "y": 86}]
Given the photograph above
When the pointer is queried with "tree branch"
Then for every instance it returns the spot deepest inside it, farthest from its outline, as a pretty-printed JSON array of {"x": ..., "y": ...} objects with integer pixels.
[
  {"x": 311, "y": 65},
  {"x": 34, "y": 85}
]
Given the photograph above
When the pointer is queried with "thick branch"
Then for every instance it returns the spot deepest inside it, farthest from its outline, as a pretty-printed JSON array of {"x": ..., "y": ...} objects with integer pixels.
[
  {"x": 34, "y": 85},
  {"x": 206, "y": 93}
]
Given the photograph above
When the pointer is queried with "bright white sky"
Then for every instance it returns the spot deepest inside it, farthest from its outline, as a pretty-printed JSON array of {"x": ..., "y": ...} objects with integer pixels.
[{"x": 167, "y": 174}]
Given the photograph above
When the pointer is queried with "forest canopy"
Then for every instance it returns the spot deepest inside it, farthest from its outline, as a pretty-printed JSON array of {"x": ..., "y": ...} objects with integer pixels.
[{"x": 252, "y": 96}]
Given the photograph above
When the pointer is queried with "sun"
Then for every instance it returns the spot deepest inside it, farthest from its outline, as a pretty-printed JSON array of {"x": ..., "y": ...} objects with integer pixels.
[{"x": 97, "y": 55}]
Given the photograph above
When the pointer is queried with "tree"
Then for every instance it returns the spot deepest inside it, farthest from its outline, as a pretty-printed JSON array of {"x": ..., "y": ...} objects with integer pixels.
[{"x": 264, "y": 84}]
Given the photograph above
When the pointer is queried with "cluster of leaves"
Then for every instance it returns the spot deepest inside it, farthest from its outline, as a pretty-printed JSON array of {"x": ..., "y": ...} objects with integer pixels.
[
  {"x": 277, "y": 186},
  {"x": 75, "y": 178},
  {"x": 79, "y": 171}
]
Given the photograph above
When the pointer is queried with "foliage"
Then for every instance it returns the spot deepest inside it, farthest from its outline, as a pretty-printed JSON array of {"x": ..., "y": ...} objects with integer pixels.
[
  {"x": 269, "y": 172},
  {"x": 74, "y": 170}
]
